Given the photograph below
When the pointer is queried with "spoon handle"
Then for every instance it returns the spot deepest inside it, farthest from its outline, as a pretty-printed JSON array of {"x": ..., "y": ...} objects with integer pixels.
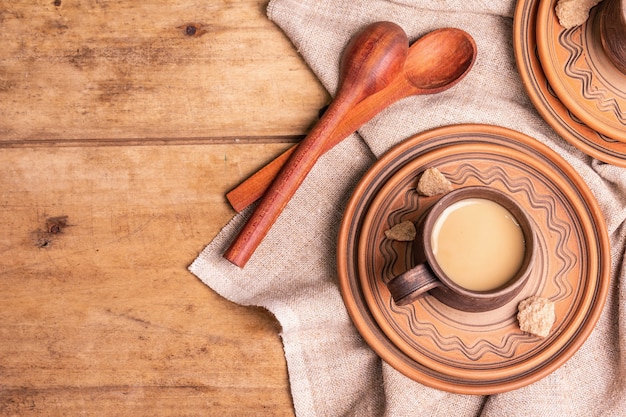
[
  {"x": 371, "y": 61},
  {"x": 282, "y": 189},
  {"x": 255, "y": 186}
]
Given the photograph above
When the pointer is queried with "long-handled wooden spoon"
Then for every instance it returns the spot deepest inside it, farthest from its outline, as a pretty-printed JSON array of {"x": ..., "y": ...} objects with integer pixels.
[
  {"x": 371, "y": 61},
  {"x": 452, "y": 51}
]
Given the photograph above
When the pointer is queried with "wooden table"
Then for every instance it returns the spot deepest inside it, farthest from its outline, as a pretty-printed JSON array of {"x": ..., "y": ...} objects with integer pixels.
[{"x": 122, "y": 126}]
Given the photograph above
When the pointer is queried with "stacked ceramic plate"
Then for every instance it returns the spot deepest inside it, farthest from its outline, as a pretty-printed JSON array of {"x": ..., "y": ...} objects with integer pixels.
[
  {"x": 571, "y": 81},
  {"x": 486, "y": 352}
]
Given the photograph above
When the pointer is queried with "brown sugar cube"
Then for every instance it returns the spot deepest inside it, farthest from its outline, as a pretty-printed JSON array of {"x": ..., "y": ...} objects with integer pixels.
[
  {"x": 432, "y": 182},
  {"x": 404, "y": 232},
  {"x": 536, "y": 316},
  {"x": 573, "y": 12}
]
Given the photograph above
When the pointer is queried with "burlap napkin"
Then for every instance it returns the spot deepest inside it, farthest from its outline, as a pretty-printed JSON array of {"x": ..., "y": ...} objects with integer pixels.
[{"x": 293, "y": 274}]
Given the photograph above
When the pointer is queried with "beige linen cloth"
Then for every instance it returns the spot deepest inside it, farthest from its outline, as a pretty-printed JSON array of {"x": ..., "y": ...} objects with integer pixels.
[{"x": 332, "y": 371}]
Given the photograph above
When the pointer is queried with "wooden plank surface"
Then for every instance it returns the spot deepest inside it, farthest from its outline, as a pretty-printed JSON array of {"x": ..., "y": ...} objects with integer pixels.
[
  {"x": 155, "y": 69},
  {"x": 99, "y": 315},
  {"x": 122, "y": 126}
]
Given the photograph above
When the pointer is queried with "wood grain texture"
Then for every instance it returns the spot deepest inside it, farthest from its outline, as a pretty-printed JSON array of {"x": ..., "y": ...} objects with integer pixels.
[
  {"x": 117, "y": 71},
  {"x": 99, "y": 313}
]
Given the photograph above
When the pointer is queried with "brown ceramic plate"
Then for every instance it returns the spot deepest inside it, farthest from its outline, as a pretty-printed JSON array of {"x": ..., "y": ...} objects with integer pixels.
[
  {"x": 581, "y": 74},
  {"x": 554, "y": 112},
  {"x": 474, "y": 353}
]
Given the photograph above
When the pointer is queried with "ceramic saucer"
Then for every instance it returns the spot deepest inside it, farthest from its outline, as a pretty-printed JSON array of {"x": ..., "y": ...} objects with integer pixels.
[
  {"x": 582, "y": 76},
  {"x": 474, "y": 353},
  {"x": 554, "y": 112}
]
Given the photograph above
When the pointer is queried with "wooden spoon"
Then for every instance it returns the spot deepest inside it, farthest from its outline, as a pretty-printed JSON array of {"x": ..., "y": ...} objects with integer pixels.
[
  {"x": 453, "y": 50},
  {"x": 373, "y": 58}
]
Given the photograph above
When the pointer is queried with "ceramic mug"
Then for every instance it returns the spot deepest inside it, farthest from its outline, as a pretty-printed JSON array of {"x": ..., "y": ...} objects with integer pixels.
[
  {"x": 612, "y": 22},
  {"x": 474, "y": 251}
]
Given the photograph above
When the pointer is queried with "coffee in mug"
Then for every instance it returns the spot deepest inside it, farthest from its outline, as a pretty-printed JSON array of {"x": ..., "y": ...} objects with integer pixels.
[
  {"x": 473, "y": 251},
  {"x": 478, "y": 244}
]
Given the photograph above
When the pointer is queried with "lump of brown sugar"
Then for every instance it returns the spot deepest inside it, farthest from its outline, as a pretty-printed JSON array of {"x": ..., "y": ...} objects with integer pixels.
[
  {"x": 573, "y": 12},
  {"x": 432, "y": 182},
  {"x": 404, "y": 232},
  {"x": 536, "y": 316}
]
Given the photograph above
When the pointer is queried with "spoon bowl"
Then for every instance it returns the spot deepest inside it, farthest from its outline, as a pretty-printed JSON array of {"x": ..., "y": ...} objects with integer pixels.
[{"x": 439, "y": 60}]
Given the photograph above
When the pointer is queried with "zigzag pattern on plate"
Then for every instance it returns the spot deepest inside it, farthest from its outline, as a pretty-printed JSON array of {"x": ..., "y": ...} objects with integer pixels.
[
  {"x": 575, "y": 118},
  {"x": 410, "y": 205},
  {"x": 605, "y": 102},
  {"x": 506, "y": 347}
]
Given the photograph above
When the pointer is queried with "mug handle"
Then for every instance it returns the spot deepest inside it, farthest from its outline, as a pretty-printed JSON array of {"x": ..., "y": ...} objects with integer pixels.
[{"x": 409, "y": 286}]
